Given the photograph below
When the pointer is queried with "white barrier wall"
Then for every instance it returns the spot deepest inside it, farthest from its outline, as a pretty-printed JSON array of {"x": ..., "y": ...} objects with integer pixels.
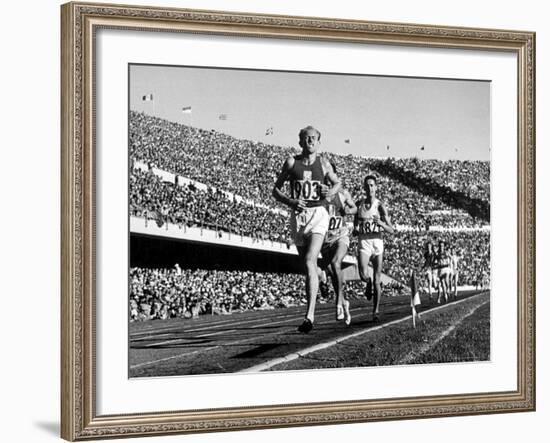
[{"x": 142, "y": 226}]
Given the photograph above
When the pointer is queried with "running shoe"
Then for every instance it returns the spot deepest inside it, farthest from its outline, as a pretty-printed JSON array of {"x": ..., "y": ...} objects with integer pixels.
[
  {"x": 306, "y": 326},
  {"x": 339, "y": 313}
]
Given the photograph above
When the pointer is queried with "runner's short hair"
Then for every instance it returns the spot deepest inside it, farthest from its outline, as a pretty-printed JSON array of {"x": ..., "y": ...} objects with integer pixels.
[
  {"x": 307, "y": 128},
  {"x": 370, "y": 177}
]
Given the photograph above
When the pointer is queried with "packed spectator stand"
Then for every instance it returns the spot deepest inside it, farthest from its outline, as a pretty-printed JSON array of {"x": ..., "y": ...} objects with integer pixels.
[
  {"x": 189, "y": 206},
  {"x": 184, "y": 293}
]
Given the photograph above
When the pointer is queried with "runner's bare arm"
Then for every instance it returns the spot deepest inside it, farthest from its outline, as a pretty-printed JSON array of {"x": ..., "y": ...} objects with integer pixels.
[
  {"x": 278, "y": 193},
  {"x": 383, "y": 220},
  {"x": 356, "y": 220},
  {"x": 332, "y": 177},
  {"x": 350, "y": 207}
]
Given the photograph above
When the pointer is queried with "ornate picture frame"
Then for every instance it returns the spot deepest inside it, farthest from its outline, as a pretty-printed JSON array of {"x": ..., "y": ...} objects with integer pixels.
[{"x": 80, "y": 23}]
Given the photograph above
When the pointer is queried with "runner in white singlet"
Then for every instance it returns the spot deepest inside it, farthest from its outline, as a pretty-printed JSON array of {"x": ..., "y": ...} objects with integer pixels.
[
  {"x": 370, "y": 222},
  {"x": 428, "y": 268},
  {"x": 454, "y": 271},
  {"x": 443, "y": 266}
]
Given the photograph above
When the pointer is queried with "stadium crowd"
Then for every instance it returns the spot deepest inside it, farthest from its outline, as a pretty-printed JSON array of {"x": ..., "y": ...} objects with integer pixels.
[
  {"x": 153, "y": 198},
  {"x": 186, "y": 293},
  {"x": 242, "y": 167},
  {"x": 470, "y": 177},
  {"x": 450, "y": 182}
]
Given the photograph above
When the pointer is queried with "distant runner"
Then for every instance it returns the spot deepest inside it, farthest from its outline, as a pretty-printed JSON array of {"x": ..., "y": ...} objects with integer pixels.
[
  {"x": 428, "y": 267},
  {"x": 454, "y": 271},
  {"x": 443, "y": 266}
]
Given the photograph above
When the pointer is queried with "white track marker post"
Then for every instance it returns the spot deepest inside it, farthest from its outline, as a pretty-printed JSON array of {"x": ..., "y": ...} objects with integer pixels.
[{"x": 415, "y": 298}]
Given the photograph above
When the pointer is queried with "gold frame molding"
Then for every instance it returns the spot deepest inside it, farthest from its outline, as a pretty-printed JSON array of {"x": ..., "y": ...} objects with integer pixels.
[{"x": 79, "y": 22}]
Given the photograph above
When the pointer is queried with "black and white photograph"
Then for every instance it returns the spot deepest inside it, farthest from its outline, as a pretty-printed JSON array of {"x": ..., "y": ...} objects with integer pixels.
[{"x": 303, "y": 221}]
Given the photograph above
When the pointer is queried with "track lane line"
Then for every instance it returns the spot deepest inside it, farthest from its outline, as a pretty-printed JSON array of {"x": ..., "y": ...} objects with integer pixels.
[
  {"x": 224, "y": 322},
  {"x": 184, "y": 354},
  {"x": 176, "y": 340},
  {"x": 139, "y": 365},
  {"x": 429, "y": 346},
  {"x": 208, "y": 326},
  {"x": 232, "y": 323},
  {"x": 295, "y": 355}
]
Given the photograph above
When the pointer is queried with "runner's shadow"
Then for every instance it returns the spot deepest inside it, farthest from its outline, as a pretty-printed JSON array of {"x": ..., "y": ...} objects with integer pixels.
[
  {"x": 260, "y": 328},
  {"x": 368, "y": 322}
]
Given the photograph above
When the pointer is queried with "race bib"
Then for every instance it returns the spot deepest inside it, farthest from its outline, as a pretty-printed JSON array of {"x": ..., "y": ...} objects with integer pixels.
[
  {"x": 301, "y": 219},
  {"x": 335, "y": 222},
  {"x": 308, "y": 190},
  {"x": 368, "y": 227},
  {"x": 445, "y": 261}
]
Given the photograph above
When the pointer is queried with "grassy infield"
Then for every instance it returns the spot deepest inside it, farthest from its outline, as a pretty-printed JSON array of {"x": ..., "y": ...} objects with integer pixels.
[{"x": 457, "y": 333}]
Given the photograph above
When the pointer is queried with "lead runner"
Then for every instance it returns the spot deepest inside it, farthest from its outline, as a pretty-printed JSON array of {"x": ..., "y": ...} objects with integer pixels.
[{"x": 307, "y": 174}]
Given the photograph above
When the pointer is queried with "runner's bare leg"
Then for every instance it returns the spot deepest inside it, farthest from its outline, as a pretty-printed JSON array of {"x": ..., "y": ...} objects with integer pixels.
[
  {"x": 377, "y": 261},
  {"x": 337, "y": 275},
  {"x": 311, "y": 256}
]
